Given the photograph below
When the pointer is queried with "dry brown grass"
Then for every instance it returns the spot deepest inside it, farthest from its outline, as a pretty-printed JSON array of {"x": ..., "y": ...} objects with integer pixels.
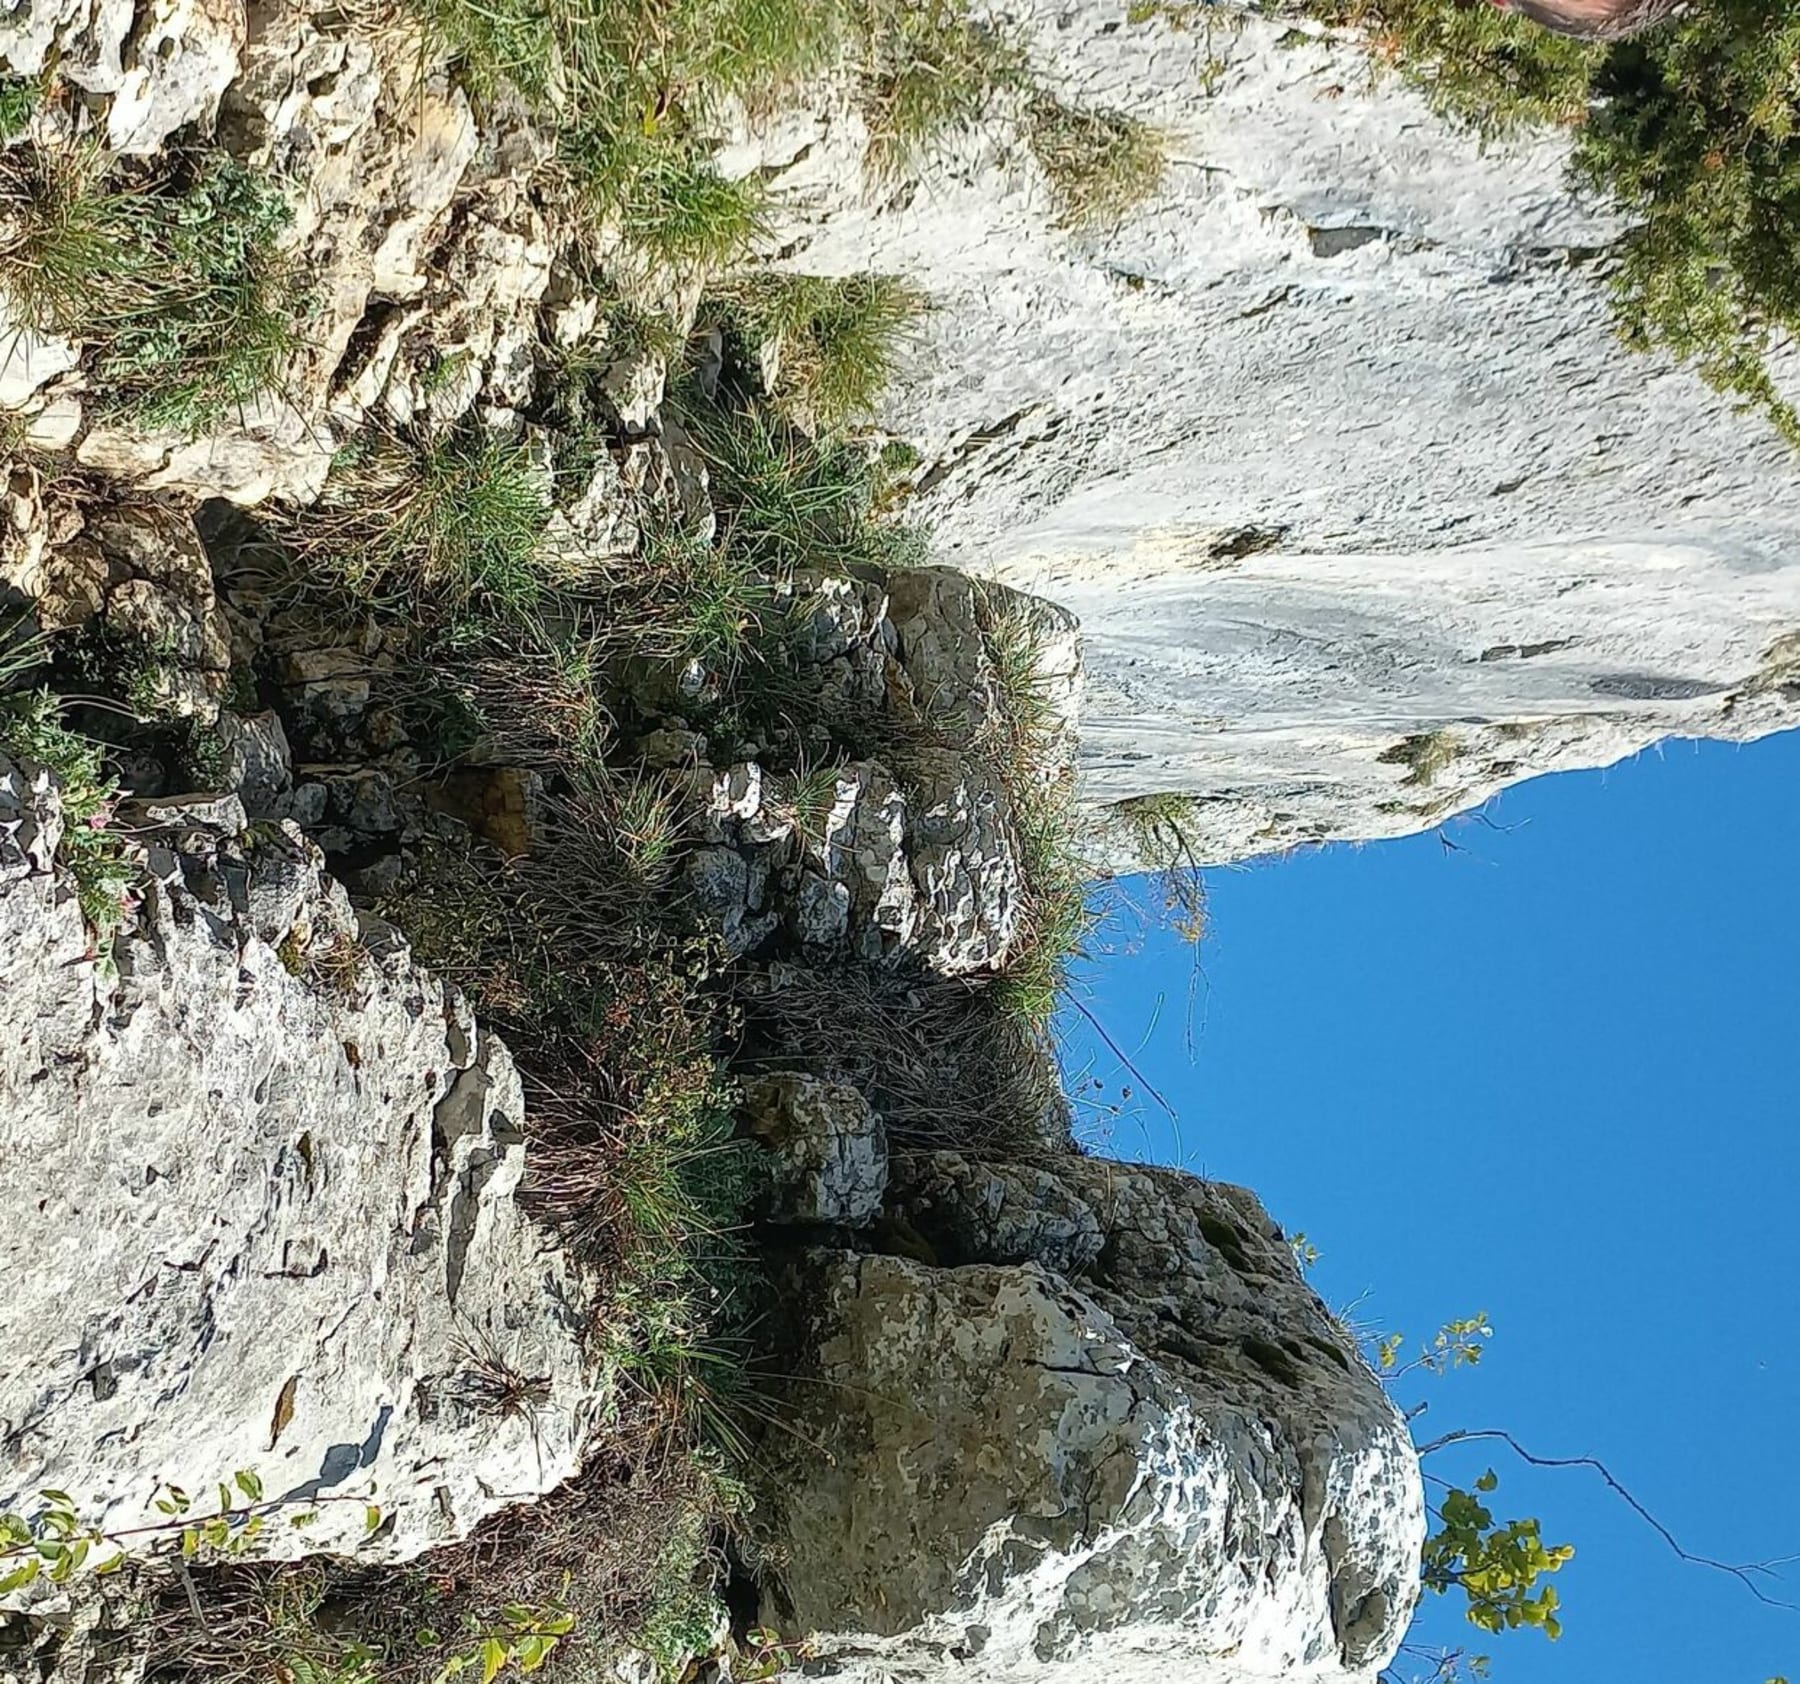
[
  {"x": 947, "y": 1062},
  {"x": 595, "y": 1549}
]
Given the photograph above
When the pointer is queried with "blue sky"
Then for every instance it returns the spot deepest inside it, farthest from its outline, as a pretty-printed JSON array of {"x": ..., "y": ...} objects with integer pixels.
[{"x": 1551, "y": 1076}]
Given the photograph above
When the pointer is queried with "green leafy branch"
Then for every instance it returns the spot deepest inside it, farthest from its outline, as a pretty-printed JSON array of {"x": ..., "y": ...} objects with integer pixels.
[
  {"x": 1457, "y": 1344},
  {"x": 57, "y": 1544},
  {"x": 523, "y": 1638},
  {"x": 1496, "y": 1566}
]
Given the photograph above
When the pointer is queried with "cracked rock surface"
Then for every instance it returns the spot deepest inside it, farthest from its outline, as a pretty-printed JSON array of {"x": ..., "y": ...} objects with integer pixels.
[{"x": 260, "y": 1192}]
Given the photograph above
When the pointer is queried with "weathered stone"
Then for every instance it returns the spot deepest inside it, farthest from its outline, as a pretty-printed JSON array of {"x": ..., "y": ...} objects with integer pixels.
[
  {"x": 222, "y": 815},
  {"x": 254, "y": 1218},
  {"x": 829, "y": 1150},
  {"x": 258, "y": 764},
  {"x": 965, "y": 863},
  {"x": 333, "y": 684},
  {"x": 973, "y": 1212},
  {"x": 991, "y": 1480}
]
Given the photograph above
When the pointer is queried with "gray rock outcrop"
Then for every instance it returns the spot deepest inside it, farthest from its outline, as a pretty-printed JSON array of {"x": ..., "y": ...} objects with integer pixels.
[
  {"x": 258, "y": 1176},
  {"x": 1168, "y": 1462}
]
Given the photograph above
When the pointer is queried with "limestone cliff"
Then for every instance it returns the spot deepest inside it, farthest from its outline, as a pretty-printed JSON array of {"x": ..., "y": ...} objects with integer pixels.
[{"x": 1331, "y": 446}]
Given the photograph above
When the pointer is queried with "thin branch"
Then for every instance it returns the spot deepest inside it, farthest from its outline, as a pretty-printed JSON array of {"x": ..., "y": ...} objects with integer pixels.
[
  {"x": 1143, "y": 1081},
  {"x": 1745, "y": 1573}
]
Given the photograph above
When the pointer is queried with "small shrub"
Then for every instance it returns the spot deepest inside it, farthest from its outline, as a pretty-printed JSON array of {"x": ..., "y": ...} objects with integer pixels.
[
  {"x": 140, "y": 671},
  {"x": 1101, "y": 165},
  {"x": 836, "y": 340},
  {"x": 1487, "y": 68},
  {"x": 1693, "y": 128},
  {"x": 457, "y": 519},
  {"x": 177, "y": 284}
]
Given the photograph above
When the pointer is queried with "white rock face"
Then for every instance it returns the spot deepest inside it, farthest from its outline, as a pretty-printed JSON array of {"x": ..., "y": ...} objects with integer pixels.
[
  {"x": 1330, "y": 446},
  {"x": 254, "y": 1216}
]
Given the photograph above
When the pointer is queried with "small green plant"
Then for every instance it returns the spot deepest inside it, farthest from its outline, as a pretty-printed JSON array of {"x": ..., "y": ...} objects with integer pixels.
[
  {"x": 1496, "y": 1566},
  {"x": 140, "y": 670},
  {"x": 765, "y": 1655},
  {"x": 1101, "y": 165},
  {"x": 457, "y": 519},
  {"x": 835, "y": 340},
  {"x": 20, "y": 98},
  {"x": 31, "y": 728},
  {"x": 57, "y": 1544},
  {"x": 1457, "y": 1344},
  {"x": 178, "y": 284},
  {"x": 522, "y": 1639}
]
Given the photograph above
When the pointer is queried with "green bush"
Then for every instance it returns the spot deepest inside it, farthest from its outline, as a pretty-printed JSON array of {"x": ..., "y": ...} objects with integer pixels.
[{"x": 1690, "y": 127}]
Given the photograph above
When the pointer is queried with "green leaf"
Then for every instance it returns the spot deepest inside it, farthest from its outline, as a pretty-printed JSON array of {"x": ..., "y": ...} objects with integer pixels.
[
  {"x": 1488, "y": 1481},
  {"x": 248, "y": 1483},
  {"x": 20, "y": 1576},
  {"x": 493, "y": 1657},
  {"x": 532, "y": 1652},
  {"x": 371, "y": 1520},
  {"x": 190, "y": 1542},
  {"x": 61, "y": 1498}
]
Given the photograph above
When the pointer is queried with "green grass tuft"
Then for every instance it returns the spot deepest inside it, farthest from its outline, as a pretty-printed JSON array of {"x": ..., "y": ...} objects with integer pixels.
[
  {"x": 178, "y": 285},
  {"x": 931, "y": 70},
  {"x": 1030, "y": 753},
  {"x": 1101, "y": 165},
  {"x": 445, "y": 521},
  {"x": 20, "y": 98},
  {"x": 640, "y": 91},
  {"x": 666, "y": 197},
  {"x": 835, "y": 340}
]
